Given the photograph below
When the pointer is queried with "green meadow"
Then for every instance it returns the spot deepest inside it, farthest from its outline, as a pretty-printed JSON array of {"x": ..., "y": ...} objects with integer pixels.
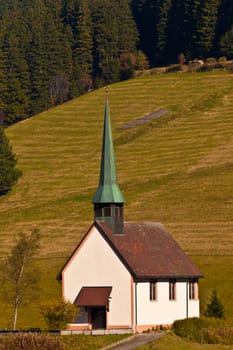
[
  {"x": 177, "y": 169},
  {"x": 175, "y": 343}
]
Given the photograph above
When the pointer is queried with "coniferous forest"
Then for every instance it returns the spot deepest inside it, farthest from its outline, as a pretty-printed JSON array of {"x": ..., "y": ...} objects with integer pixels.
[{"x": 54, "y": 50}]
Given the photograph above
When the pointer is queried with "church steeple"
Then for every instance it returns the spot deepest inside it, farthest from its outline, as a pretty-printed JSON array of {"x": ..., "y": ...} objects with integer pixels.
[{"x": 108, "y": 200}]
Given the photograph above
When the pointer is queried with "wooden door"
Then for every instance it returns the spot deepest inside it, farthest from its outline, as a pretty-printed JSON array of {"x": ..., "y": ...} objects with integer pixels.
[{"x": 99, "y": 318}]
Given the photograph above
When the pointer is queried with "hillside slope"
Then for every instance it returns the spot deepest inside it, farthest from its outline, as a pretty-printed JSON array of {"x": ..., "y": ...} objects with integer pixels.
[{"x": 177, "y": 169}]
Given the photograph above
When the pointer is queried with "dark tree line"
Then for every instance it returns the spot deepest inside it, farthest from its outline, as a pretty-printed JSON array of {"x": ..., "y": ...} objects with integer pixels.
[
  {"x": 54, "y": 50},
  {"x": 196, "y": 28}
]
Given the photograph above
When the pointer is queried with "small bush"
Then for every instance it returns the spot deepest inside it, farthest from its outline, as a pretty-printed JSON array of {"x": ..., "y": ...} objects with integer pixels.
[
  {"x": 210, "y": 60},
  {"x": 30, "y": 342},
  {"x": 58, "y": 314},
  {"x": 190, "y": 328},
  {"x": 222, "y": 59},
  {"x": 204, "y": 330}
]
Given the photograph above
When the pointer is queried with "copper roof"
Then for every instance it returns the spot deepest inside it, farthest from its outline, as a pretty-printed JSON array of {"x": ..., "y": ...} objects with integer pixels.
[
  {"x": 149, "y": 251},
  {"x": 93, "y": 296},
  {"x": 108, "y": 190}
]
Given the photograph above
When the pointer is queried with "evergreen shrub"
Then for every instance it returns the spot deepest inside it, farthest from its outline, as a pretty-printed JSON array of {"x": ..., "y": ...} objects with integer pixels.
[
  {"x": 190, "y": 328},
  {"x": 9, "y": 174},
  {"x": 214, "y": 307}
]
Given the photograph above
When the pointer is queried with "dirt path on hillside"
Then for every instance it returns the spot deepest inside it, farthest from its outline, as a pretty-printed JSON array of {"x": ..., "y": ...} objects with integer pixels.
[
  {"x": 135, "y": 341},
  {"x": 144, "y": 119}
]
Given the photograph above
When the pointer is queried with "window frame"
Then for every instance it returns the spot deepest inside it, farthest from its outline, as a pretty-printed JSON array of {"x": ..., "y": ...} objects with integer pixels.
[
  {"x": 153, "y": 292},
  {"x": 172, "y": 290},
  {"x": 193, "y": 289}
]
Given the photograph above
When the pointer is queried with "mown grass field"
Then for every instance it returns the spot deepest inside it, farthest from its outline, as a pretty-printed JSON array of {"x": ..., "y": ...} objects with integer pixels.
[
  {"x": 177, "y": 170},
  {"x": 173, "y": 342}
]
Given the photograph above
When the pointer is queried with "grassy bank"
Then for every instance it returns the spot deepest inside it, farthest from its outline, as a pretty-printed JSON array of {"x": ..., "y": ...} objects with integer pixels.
[
  {"x": 177, "y": 169},
  {"x": 173, "y": 342}
]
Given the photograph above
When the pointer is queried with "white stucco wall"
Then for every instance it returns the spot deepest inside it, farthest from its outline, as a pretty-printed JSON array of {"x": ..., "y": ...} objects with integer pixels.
[
  {"x": 94, "y": 265},
  {"x": 163, "y": 311}
]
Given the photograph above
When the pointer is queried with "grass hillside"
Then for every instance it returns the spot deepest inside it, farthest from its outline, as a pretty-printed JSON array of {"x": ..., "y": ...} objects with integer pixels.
[{"x": 177, "y": 169}]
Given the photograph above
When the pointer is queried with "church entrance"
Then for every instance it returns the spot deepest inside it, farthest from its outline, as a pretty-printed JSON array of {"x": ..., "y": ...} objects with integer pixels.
[
  {"x": 98, "y": 315},
  {"x": 96, "y": 301}
]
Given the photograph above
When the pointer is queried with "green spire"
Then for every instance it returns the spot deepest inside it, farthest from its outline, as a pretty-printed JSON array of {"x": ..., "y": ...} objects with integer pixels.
[{"x": 108, "y": 190}]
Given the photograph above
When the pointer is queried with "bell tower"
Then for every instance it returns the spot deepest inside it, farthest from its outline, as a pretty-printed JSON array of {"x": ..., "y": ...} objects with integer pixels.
[{"x": 108, "y": 200}]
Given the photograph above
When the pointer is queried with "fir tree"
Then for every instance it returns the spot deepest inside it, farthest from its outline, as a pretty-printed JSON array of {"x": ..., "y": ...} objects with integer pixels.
[
  {"x": 226, "y": 43},
  {"x": 128, "y": 35},
  {"x": 206, "y": 27},
  {"x": 2, "y": 87},
  {"x": 146, "y": 16},
  {"x": 83, "y": 48},
  {"x": 225, "y": 17},
  {"x": 214, "y": 308},
  {"x": 162, "y": 30},
  {"x": 175, "y": 31},
  {"x": 9, "y": 174},
  {"x": 105, "y": 35},
  {"x": 16, "y": 95}
]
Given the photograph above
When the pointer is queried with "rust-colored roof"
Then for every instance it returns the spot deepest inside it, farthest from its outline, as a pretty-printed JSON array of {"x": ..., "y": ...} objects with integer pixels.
[
  {"x": 93, "y": 296},
  {"x": 149, "y": 251}
]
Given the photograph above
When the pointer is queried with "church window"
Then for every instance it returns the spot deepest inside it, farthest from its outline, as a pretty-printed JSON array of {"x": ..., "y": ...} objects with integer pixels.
[
  {"x": 107, "y": 211},
  {"x": 172, "y": 290},
  {"x": 153, "y": 290},
  {"x": 193, "y": 290}
]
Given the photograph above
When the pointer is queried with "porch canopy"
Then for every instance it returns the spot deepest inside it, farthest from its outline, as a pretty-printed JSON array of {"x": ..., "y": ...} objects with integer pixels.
[{"x": 93, "y": 296}]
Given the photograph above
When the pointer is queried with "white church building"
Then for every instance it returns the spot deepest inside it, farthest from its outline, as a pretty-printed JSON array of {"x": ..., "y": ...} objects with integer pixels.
[{"x": 129, "y": 276}]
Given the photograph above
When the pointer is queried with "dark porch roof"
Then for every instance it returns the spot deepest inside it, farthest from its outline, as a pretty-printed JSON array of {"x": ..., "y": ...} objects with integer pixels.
[{"x": 93, "y": 296}]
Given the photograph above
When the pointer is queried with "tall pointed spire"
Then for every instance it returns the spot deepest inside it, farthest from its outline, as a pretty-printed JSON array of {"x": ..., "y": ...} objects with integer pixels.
[{"x": 108, "y": 200}]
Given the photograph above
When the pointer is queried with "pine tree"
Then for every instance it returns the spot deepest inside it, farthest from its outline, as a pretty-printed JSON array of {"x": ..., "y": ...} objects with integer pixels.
[
  {"x": 162, "y": 30},
  {"x": 69, "y": 12},
  {"x": 146, "y": 16},
  {"x": 105, "y": 35},
  {"x": 128, "y": 35},
  {"x": 225, "y": 21},
  {"x": 9, "y": 174},
  {"x": 206, "y": 27},
  {"x": 175, "y": 43},
  {"x": 16, "y": 97},
  {"x": 114, "y": 33},
  {"x": 214, "y": 308},
  {"x": 2, "y": 87},
  {"x": 83, "y": 47},
  {"x": 226, "y": 44},
  {"x": 190, "y": 13}
]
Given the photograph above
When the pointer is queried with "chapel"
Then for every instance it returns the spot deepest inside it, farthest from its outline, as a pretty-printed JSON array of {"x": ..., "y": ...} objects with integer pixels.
[{"x": 126, "y": 276}]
